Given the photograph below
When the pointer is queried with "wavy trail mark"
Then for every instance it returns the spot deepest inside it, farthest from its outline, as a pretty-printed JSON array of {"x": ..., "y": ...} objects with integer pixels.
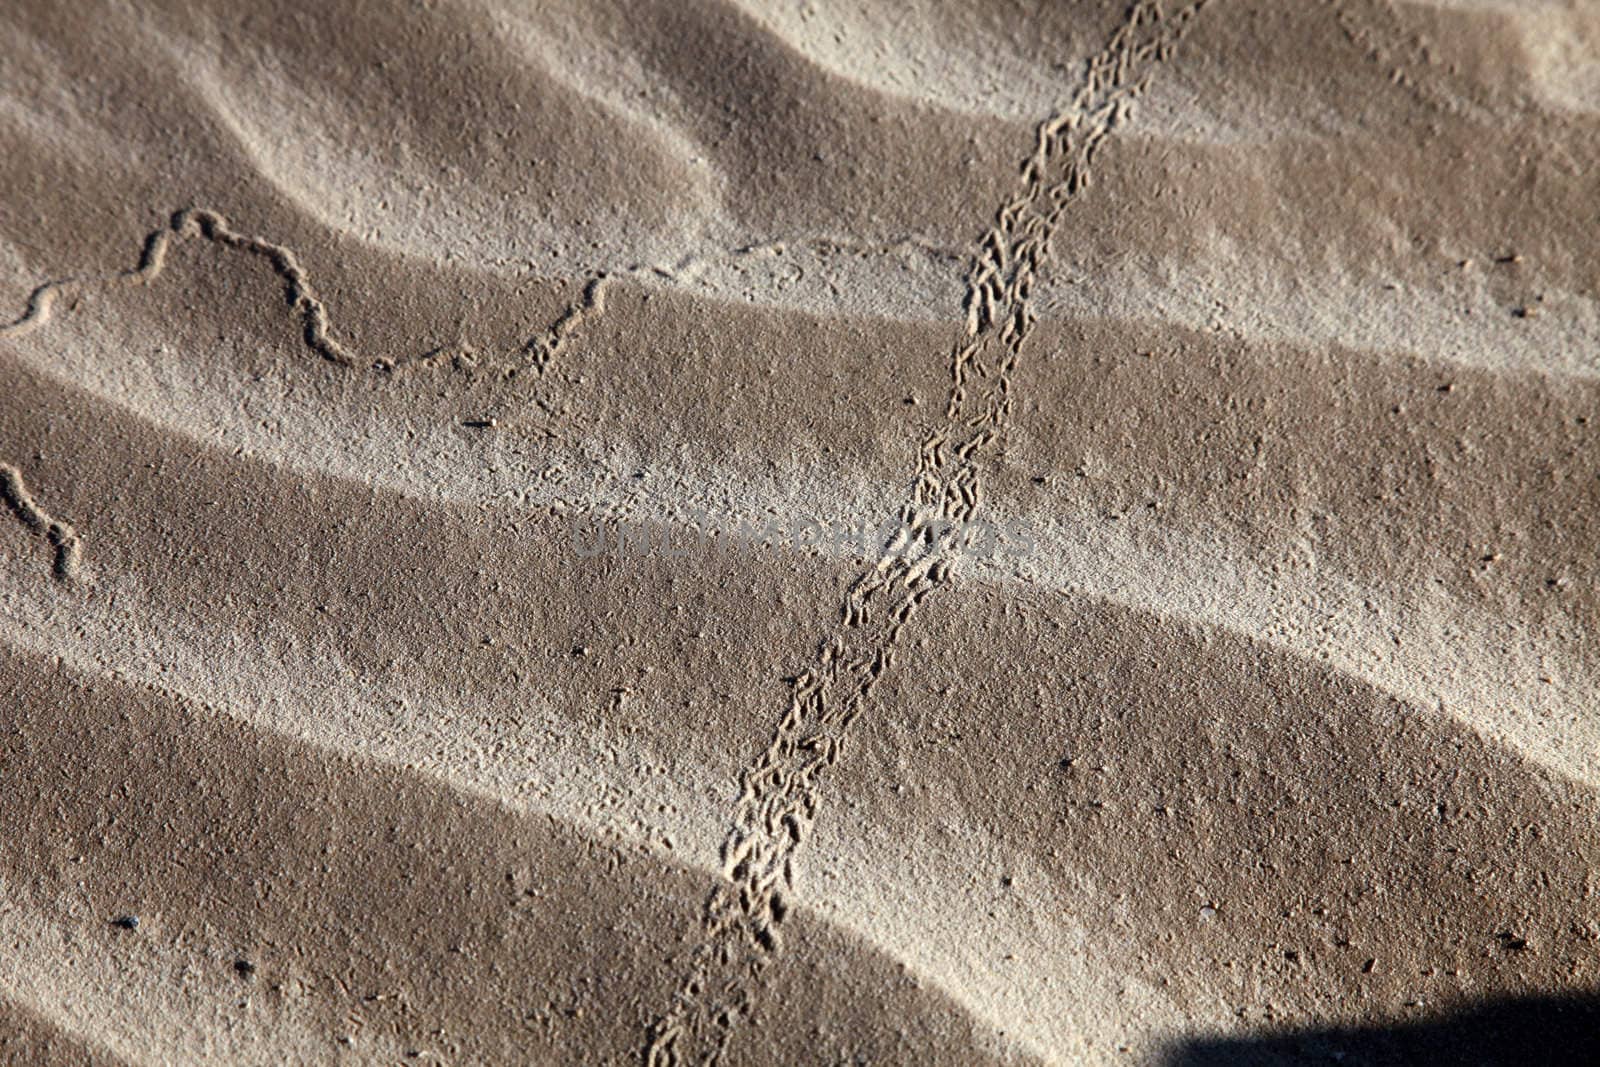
[
  {"x": 68, "y": 548},
  {"x": 544, "y": 348},
  {"x": 779, "y": 793},
  {"x": 302, "y": 299}
]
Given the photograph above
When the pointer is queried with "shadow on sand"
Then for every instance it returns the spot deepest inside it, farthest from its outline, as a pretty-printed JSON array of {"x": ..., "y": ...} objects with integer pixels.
[{"x": 1529, "y": 1030}]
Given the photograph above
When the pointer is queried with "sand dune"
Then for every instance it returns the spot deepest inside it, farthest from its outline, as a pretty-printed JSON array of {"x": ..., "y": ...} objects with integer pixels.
[{"x": 1269, "y": 330}]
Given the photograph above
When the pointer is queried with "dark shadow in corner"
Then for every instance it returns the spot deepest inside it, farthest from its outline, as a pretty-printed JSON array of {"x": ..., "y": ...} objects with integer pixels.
[{"x": 1528, "y": 1030}]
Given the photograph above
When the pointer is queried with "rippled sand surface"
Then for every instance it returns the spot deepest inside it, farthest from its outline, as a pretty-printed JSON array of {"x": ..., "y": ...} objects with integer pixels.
[{"x": 407, "y": 419}]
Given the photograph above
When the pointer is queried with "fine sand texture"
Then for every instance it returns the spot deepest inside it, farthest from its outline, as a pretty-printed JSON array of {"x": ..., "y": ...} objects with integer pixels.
[{"x": 762, "y": 532}]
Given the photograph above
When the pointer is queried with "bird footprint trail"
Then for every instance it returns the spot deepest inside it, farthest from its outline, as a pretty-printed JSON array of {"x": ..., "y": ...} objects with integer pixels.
[
  {"x": 779, "y": 793},
  {"x": 62, "y": 537},
  {"x": 302, "y": 299}
]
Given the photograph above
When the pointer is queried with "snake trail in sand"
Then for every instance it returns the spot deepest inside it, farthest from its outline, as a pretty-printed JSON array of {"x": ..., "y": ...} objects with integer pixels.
[
  {"x": 779, "y": 793},
  {"x": 208, "y": 225},
  {"x": 62, "y": 537}
]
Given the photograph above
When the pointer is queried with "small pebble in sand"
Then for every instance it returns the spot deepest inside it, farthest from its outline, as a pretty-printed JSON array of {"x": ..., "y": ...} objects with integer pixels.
[
  {"x": 244, "y": 968},
  {"x": 126, "y": 922}
]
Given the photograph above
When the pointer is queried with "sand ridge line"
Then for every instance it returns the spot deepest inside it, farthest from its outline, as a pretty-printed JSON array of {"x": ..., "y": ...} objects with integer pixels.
[
  {"x": 62, "y": 537},
  {"x": 779, "y": 794},
  {"x": 302, "y": 299}
]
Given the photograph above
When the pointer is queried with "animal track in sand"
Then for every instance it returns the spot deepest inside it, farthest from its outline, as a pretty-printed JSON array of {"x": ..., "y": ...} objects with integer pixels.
[
  {"x": 537, "y": 352},
  {"x": 302, "y": 299},
  {"x": 68, "y": 548},
  {"x": 779, "y": 794}
]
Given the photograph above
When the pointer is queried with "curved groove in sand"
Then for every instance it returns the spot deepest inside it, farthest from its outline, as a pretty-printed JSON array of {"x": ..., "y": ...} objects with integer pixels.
[
  {"x": 189, "y": 223},
  {"x": 303, "y": 302},
  {"x": 60, "y": 535}
]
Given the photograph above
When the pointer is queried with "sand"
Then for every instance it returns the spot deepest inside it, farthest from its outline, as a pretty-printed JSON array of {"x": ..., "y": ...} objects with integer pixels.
[{"x": 498, "y": 512}]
